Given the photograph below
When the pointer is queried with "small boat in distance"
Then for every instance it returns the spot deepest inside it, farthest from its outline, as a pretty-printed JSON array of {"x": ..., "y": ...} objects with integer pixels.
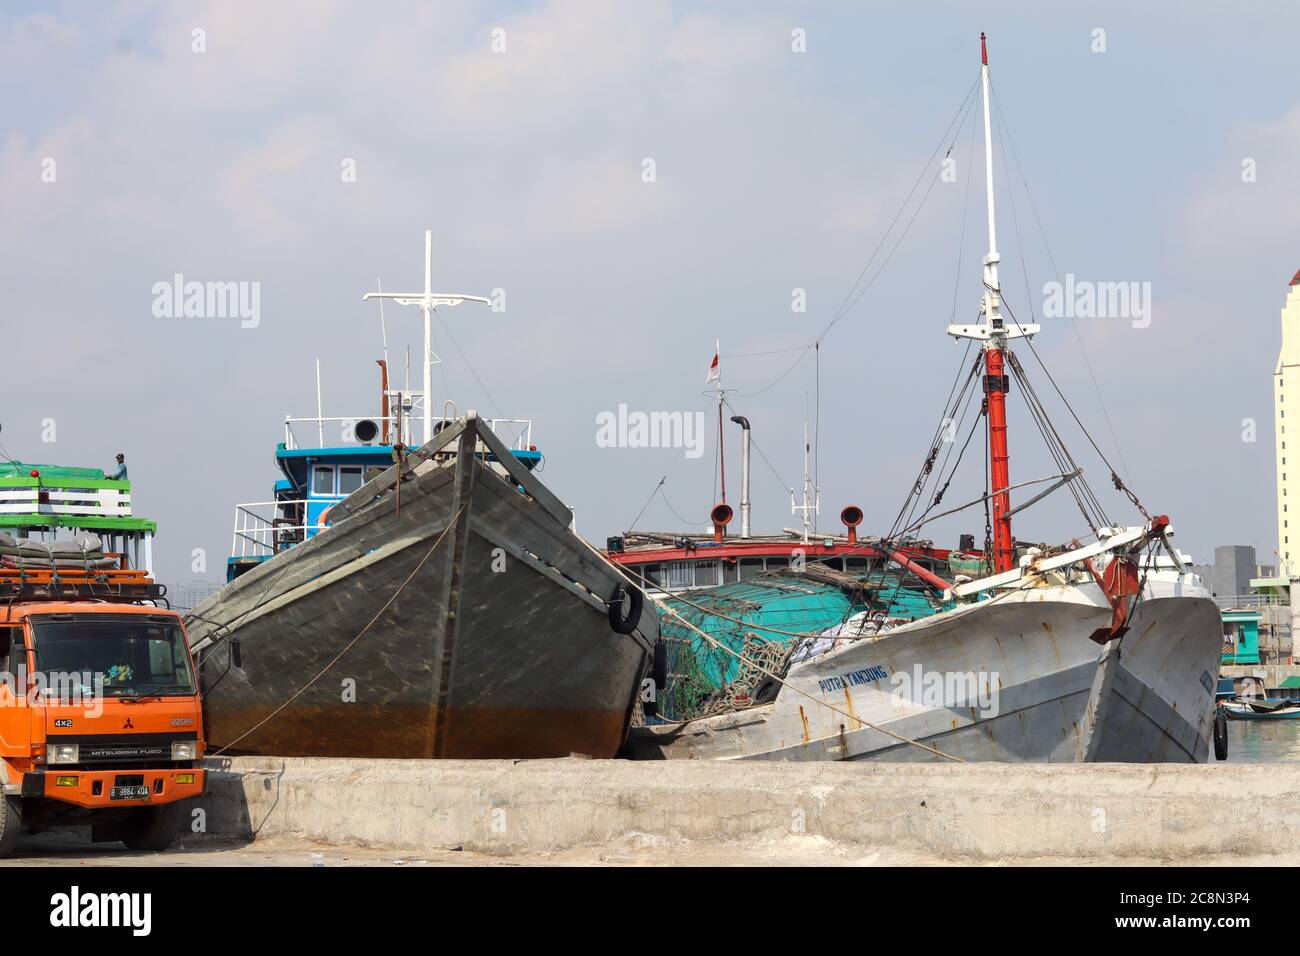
[
  {"x": 1261, "y": 708},
  {"x": 419, "y": 602}
]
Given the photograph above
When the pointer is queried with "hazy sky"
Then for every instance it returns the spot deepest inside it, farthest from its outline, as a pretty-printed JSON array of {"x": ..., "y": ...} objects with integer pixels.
[{"x": 775, "y": 170}]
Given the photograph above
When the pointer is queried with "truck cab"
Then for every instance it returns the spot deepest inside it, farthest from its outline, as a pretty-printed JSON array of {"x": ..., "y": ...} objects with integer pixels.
[{"x": 100, "y": 715}]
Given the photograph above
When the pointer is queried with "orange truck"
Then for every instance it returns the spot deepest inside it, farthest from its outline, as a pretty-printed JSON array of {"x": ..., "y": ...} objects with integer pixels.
[{"x": 100, "y": 717}]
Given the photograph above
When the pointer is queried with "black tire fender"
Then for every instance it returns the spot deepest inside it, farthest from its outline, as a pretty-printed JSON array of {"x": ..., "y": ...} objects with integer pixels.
[
  {"x": 659, "y": 669},
  {"x": 1220, "y": 734},
  {"x": 620, "y": 622}
]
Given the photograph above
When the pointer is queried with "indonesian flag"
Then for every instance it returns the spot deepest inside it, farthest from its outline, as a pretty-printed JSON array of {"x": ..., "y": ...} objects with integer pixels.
[{"x": 715, "y": 372}]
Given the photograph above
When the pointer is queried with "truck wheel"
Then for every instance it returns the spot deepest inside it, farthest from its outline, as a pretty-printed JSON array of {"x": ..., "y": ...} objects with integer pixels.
[
  {"x": 10, "y": 823},
  {"x": 153, "y": 828}
]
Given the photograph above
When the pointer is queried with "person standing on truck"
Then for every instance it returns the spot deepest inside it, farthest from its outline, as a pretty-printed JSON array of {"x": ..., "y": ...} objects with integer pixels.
[{"x": 120, "y": 474}]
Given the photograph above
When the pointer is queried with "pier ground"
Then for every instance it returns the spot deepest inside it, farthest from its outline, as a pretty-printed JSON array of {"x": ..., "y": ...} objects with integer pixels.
[
  {"x": 294, "y": 812},
  {"x": 67, "y": 849}
]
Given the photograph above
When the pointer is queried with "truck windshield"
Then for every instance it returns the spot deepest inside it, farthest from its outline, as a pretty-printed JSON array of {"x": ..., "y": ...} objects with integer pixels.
[{"x": 132, "y": 656}]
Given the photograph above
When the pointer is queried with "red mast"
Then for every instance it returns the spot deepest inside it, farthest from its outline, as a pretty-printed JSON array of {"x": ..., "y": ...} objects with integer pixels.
[
  {"x": 993, "y": 334},
  {"x": 995, "y": 385}
]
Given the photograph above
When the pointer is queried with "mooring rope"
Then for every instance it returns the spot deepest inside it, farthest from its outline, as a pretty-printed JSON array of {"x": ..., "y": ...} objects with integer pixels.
[{"x": 402, "y": 587}]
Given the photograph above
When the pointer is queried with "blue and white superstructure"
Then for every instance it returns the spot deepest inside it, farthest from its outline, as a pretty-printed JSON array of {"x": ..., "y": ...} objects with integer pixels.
[{"x": 317, "y": 476}]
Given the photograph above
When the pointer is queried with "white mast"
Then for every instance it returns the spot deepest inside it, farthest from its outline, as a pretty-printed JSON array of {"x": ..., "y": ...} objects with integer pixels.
[
  {"x": 991, "y": 330},
  {"x": 992, "y": 303},
  {"x": 992, "y": 334},
  {"x": 383, "y": 328},
  {"x": 428, "y": 300}
]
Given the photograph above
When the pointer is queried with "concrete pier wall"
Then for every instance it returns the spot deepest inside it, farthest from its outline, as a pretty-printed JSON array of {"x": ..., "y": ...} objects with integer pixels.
[
  {"x": 1271, "y": 674},
  {"x": 971, "y": 811}
]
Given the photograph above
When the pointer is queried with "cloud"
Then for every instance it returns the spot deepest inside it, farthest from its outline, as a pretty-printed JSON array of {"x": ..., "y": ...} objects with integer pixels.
[
  {"x": 1228, "y": 218},
  {"x": 775, "y": 170}
]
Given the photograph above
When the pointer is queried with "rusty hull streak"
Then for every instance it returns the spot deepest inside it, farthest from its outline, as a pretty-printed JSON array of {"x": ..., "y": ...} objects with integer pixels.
[
  {"x": 1051, "y": 637},
  {"x": 848, "y": 706},
  {"x": 807, "y": 734}
]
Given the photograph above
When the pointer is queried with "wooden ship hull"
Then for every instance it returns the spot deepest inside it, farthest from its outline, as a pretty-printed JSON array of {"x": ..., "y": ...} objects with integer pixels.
[{"x": 448, "y": 614}]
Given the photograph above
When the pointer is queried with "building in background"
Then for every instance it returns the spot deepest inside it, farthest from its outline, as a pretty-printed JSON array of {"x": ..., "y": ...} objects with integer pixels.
[
  {"x": 1255, "y": 605},
  {"x": 1234, "y": 568},
  {"x": 1286, "y": 382}
]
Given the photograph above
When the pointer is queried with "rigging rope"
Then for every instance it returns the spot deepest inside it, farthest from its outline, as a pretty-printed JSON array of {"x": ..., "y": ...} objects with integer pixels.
[
  {"x": 846, "y": 305},
  {"x": 1074, "y": 325}
]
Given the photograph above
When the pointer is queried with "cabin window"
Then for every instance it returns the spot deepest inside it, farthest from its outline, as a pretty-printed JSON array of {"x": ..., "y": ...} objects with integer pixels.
[
  {"x": 374, "y": 471},
  {"x": 706, "y": 574},
  {"x": 729, "y": 571},
  {"x": 350, "y": 479},
  {"x": 677, "y": 575},
  {"x": 322, "y": 480},
  {"x": 750, "y": 567},
  {"x": 163, "y": 658},
  {"x": 773, "y": 563},
  {"x": 835, "y": 564},
  {"x": 855, "y": 565},
  {"x": 11, "y": 646},
  {"x": 651, "y": 573}
]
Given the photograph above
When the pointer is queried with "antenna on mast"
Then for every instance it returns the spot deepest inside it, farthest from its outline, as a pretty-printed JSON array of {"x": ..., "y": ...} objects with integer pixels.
[
  {"x": 320, "y": 414},
  {"x": 715, "y": 375},
  {"x": 812, "y": 497},
  {"x": 428, "y": 301},
  {"x": 722, "y": 444}
]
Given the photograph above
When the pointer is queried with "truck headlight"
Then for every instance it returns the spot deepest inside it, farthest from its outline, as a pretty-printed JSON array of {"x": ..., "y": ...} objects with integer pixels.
[
  {"x": 185, "y": 749},
  {"x": 62, "y": 753}
]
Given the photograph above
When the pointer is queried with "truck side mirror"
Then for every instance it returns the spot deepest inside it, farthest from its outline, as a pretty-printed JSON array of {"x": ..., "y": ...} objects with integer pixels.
[{"x": 236, "y": 656}]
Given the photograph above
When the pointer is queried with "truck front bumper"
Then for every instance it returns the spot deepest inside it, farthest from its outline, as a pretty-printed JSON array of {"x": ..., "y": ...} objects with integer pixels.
[{"x": 93, "y": 789}]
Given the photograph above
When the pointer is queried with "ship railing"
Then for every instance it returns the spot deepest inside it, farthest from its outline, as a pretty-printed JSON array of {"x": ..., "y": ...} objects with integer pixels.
[
  {"x": 515, "y": 433},
  {"x": 98, "y": 498},
  {"x": 328, "y": 432},
  {"x": 261, "y": 532},
  {"x": 1226, "y": 602}
]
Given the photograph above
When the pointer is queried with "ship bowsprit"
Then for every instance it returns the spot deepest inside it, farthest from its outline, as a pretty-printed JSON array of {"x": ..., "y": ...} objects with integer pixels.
[{"x": 448, "y": 611}]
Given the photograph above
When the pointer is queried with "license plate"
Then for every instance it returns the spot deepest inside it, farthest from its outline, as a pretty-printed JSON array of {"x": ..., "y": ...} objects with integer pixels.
[{"x": 128, "y": 793}]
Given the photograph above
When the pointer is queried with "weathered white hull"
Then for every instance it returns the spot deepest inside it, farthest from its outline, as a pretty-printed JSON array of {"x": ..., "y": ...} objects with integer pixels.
[{"x": 1049, "y": 693}]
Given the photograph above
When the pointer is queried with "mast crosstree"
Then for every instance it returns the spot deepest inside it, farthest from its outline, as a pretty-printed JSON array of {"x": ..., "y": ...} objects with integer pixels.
[{"x": 428, "y": 301}]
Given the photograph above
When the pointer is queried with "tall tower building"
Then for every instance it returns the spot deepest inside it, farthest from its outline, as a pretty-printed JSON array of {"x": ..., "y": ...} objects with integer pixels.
[{"x": 1286, "y": 384}]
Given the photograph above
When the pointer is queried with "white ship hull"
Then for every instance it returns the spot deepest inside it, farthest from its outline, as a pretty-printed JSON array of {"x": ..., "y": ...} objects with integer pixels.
[{"x": 1013, "y": 679}]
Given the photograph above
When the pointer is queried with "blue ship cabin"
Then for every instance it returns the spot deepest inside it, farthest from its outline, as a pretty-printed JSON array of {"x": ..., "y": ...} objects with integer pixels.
[{"x": 319, "y": 477}]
